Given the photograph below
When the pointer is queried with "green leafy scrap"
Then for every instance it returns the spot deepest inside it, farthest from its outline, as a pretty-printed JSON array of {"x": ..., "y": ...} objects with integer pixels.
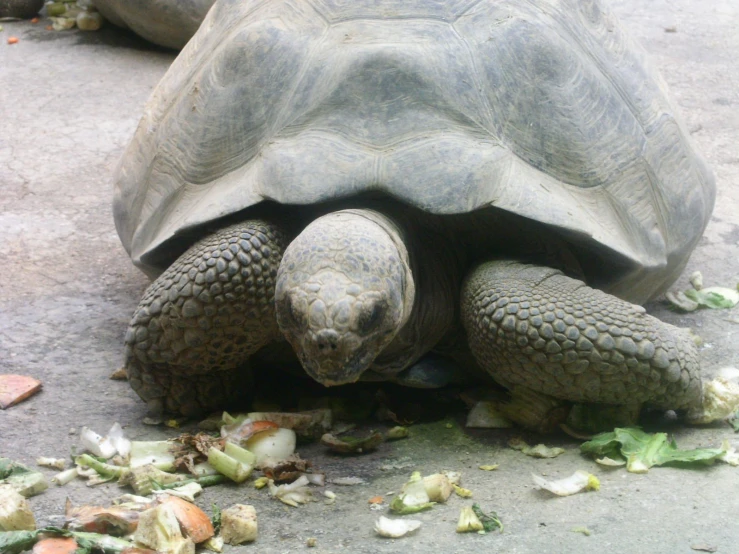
[
  {"x": 642, "y": 450},
  {"x": 216, "y": 519},
  {"x": 714, "y": 297},
  {"x": 399, "y": 507},
  {"x": 490, "y": 522}
]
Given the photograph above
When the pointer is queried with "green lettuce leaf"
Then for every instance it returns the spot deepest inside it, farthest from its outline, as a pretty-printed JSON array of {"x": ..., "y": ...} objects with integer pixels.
[
  {"x": 642, "y": 450},
  {"x": 714, "y": 297}
]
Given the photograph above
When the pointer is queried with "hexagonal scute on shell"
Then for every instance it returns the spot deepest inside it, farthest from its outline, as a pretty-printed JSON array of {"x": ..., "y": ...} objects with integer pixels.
[{"x": 542, "y": 109}]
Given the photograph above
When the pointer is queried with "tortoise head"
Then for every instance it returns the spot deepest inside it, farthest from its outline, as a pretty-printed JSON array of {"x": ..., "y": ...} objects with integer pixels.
[{"x": 344, "y": 290}]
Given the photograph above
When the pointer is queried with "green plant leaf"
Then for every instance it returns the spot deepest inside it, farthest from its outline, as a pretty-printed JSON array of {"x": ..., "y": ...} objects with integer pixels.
[{"x": 642, "y": 450}]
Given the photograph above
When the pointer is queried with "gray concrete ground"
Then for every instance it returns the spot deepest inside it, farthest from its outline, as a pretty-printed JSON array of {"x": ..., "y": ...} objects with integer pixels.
[{"x": 69, "y": 102}]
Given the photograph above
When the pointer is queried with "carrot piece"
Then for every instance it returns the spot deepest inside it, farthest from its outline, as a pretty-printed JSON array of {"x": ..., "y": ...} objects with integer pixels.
[
  {"x": 56, "y": 545},
  {"x": 12, "y": 40},
  {"x": 16, "y": 388}
]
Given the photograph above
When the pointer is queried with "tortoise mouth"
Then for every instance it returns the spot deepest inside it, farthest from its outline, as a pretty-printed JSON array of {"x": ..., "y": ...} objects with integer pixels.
[{"x": 332, "y": 372}]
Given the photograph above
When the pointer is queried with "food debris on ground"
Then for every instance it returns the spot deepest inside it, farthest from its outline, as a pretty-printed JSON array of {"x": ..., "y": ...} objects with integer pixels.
[
  {"x": 438, "y": 487},
  {"x": 412, "y": 498},
  {"x": 485, "y": 414},
  {"x": 272, "y": 445},
  {"x": 160, "y": 454},
  {"x": 102, "y": 472},
  {"x": 538, "y": 451},
  {"x": 292, "y": 494},
  {"x": 16, "y": 388},
  {"x": 64, "y": 477},
  {"x": 11, "y": 40},
  {"x": 469, "y": 522},
  {"x": 330, "y": 497},
  {"x": 25, "y": 481},
  {"x": 96, "y": 444},
  {"x": 159, "y": 529},
  {"x": 14, "y": 542},
  {"x": 193, "y": 521},
  {"x": 117, "y": 521},
  {"x": 239, "y": 524},
  {"x": 187, "y": 491},
  {"x": 462, "y": 492},
  {"x": 311, "y": 542},
  {"x": 144, "y": 478},
  {"x": 395, "y": 528},
  {"x": 310, "y": 424},
  {"x": 577, "y": 482},
  {"x": 703, "y": 297},
  {"x": 582, "y": 530},
  {"x": 234, "y": 462},
  {"x": 55, "y": 545},
  {"x": 642, "y": 450},
  {"x": 720, "y": 401},
  {"x": 15, "y": 512},
  {"x": 730, "y": 455},
  {"x": 489, "y": 467},
  {"x": 490, "y": 521},
  {"x": 352, "y": 445},
  {"x": 214, "y": 544},
  {"x": 53, "y": 463},
  {"x": 397, "y": 432},
  {"x": 375, "y": 500}
]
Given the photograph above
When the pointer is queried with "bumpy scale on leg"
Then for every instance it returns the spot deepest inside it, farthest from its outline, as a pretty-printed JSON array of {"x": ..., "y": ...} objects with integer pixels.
[
  {"x": 534, "y": 327},
  {"x": 199, "y": 322}
]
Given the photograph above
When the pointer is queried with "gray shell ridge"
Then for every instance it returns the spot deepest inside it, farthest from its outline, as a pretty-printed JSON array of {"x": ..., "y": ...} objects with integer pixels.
[{"x": 543, "y": 109}]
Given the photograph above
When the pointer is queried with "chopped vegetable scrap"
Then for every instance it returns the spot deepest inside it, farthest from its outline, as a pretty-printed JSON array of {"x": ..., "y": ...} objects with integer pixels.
[
  {"x": 21, "y": 478},
  {"x": 703, "y": 297},
  {"x": 413, "y": 497},
  {"x": 490, "y": 522},
  {"x": 239, "y": 524},
  {"x": 16, "y": 388},
  {"x": 720, "y": 401},
  {"x": 485, "y": 414},
  {"x": 397, "y": 432},
  {"x": 469, "y": 522},
  {"x": 642, "y": 450},
  {"x": 395, "y": 528},
  {"x": 15, "y": 513},
  {"x": 352, "y": 445},
  {"x": 577, "y": 482},
  {"x": 292, "y": 494},
  {"x": 538, "y": 451}
]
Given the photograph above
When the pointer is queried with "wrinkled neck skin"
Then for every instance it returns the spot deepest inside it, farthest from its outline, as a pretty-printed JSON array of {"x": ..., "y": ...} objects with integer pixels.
[{"x": 346, "y": 295}]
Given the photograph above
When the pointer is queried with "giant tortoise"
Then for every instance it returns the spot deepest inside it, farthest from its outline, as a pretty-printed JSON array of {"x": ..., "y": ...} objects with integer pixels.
[{"x": 376, "y": 181}]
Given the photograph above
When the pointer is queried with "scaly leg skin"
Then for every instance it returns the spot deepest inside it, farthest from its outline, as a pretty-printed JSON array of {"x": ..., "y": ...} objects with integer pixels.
[
  {"x": 534, "y": 327},
  {"x": 198, "y": 323}
]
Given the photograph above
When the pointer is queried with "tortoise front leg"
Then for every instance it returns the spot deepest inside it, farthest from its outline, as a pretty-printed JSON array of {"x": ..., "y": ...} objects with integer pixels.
[
  {"x": 198, "y": 323},
  {"x": 534, "y": 327}
]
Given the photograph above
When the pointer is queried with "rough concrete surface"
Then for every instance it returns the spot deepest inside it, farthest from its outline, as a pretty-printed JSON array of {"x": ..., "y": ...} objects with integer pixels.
[{"x": 69, "y": 102}]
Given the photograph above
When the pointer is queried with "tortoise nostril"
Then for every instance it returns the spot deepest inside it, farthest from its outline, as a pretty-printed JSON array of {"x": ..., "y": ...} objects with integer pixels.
[{"x": 327, "y": 338}]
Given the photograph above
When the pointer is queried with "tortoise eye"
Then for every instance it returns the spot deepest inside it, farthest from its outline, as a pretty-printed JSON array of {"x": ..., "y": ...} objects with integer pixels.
[{"x": 371, "y": 318}]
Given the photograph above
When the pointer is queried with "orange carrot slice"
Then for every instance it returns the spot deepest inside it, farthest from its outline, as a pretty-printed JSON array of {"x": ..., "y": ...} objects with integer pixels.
[{"x": 16, "y": 388}]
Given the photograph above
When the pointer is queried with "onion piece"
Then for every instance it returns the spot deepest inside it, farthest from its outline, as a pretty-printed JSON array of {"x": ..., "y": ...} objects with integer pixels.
[
  {"x": 395, "y": 528},
  {"x": 272, "y": 445},
  {"x": 94, "y": 443}
]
